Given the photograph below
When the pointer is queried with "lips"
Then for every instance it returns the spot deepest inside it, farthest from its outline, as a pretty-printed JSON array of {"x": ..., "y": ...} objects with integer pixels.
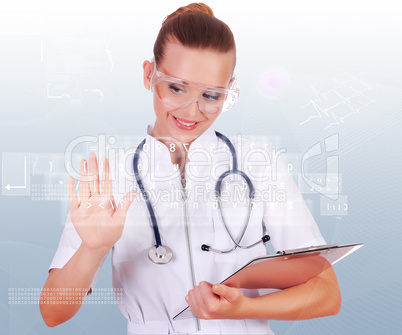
[{"x": 185, "y": 124}]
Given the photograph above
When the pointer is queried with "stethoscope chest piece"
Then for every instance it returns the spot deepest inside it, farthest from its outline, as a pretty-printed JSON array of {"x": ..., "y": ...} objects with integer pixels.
[{"x": 160, "y": 255}]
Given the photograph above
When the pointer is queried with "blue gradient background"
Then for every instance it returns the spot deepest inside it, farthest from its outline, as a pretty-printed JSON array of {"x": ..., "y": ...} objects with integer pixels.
[{"x": 74, "y": 68}]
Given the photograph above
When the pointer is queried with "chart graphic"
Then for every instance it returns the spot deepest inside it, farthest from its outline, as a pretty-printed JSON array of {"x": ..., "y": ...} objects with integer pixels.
[{"x": 334, "y": 107}]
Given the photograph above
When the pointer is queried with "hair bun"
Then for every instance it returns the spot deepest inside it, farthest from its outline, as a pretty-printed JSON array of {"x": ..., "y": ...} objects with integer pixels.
[
  {"x": 194, "y": 26},
  {"x": 193, "y": 7}
]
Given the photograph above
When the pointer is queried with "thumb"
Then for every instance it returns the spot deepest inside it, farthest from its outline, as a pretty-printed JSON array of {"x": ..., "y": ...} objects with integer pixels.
[
  {"x": 229, "y": 293},
  {"x": 124, "y": 204}
]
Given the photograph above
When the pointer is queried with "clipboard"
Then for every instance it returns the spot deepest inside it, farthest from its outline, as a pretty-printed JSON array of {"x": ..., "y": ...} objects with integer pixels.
[{"x": 284, "y": 269}]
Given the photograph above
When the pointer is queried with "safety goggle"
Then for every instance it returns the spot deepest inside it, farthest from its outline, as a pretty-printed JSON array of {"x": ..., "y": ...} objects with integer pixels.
[{"x": 178, "y": 93}]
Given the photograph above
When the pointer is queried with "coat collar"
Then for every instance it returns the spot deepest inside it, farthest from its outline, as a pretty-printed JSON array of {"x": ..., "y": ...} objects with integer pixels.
[
  {"x": 158, "y": 171},
  {"x": 207, "y": 138}
]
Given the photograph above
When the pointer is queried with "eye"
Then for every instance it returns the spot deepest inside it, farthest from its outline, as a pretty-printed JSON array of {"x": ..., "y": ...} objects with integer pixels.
[
  {"x": 211, "y": 96},
  {"x": 176, "y": 89}
]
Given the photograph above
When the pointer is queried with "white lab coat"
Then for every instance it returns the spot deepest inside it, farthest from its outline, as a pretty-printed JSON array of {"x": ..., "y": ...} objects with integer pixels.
[{"x": 153, "y": 293}]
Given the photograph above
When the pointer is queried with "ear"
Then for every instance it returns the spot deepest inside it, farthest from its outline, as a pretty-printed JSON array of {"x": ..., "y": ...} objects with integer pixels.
[{"x": 147, "y": 66}]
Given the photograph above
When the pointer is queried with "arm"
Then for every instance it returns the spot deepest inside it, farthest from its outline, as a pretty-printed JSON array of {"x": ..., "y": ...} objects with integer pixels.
[
  {"x": 290, "y": 225},
  {"x": 58, "y": 306},
  {"x": 99, "y": 227},
  {"x": 320, "y": 296}
]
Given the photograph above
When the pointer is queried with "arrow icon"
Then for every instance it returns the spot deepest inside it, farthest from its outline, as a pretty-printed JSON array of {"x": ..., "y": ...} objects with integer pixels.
[{"x": 8, "y": 187}]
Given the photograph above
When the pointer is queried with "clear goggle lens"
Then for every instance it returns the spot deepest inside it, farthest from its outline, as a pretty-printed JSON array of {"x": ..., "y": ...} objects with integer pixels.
[{"x": 179, "y": 94}]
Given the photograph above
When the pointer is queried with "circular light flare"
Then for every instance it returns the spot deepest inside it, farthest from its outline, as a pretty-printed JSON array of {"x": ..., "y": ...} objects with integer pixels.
[{"x": 273, "y": 83}]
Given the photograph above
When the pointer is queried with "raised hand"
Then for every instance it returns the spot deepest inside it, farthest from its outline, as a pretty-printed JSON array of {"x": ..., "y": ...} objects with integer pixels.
[{"x": 96, "y": 218}]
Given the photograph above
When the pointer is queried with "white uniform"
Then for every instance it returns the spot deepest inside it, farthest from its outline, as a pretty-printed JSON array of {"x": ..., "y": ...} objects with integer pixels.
[{"x": 153, "y": 293}]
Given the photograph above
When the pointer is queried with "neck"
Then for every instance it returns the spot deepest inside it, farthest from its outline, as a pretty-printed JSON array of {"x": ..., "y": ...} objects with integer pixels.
[{"x": 178, "y": 150}]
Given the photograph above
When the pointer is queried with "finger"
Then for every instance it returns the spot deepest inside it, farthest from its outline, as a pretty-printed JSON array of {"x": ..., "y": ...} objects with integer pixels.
[
  {"x": 208, "y": 297},
  {"x": 72, "y": 195},
  {"x": 198, "y": 295},
  {"x": 106, "y": 178},
  {"x": 206, "y": 290},
  {"x": 192, "y": 299},
  {"x": 84, "y": 190},
  {"x": 230, "y": 294},
  {"x": 124, "y": 204},
  {"x": 93, "y": 174},
  {"x": 202, "y": 300}
]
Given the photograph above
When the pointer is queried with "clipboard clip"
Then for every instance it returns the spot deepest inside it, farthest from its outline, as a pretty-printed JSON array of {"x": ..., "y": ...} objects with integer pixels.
[{"x": 312, "y": 248}]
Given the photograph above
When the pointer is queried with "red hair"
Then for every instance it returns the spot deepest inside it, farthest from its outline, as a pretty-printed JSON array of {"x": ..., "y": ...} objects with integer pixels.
[{"x": 194, "y": 26}]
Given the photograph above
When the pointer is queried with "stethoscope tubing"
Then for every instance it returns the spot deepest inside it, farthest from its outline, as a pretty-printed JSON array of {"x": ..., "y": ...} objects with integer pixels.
[
  {"x": 154, "y": 254},
  {"x": 145, "y": 195}
]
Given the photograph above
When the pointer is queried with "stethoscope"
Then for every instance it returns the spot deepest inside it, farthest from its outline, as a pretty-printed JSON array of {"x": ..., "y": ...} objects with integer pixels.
[{"x": 161, "y": 254}]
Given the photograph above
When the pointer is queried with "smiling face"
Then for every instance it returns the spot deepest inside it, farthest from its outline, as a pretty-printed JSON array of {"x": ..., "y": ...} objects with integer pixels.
[{"x": 199, "y": 66}]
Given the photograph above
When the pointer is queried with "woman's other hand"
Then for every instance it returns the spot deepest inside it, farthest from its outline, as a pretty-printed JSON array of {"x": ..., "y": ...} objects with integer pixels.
[{"x": 217, "y": 301}]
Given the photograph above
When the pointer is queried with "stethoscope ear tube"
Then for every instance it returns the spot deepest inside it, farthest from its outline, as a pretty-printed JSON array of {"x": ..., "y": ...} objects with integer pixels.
[
  {"x": 242, "y": 174},
  {"x": 208, "y": 248},
  {"x": 218, "y": 191}
]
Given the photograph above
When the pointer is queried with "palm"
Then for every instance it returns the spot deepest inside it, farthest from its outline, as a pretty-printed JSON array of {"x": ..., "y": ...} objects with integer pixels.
[{"x": 96, "y": 218}]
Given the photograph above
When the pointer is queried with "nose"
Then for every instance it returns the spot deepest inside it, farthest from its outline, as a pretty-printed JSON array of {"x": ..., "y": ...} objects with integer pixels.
[{"x": 192, "y": 109}]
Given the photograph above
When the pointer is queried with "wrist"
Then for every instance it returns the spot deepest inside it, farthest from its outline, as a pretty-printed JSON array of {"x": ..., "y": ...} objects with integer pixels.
[
  {"x": 94, "y": 253},
  {"x": 246, "y": 308}
]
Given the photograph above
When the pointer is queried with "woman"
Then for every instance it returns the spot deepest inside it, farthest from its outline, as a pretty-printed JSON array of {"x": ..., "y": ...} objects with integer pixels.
[{"x": 192, "y": 81}]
